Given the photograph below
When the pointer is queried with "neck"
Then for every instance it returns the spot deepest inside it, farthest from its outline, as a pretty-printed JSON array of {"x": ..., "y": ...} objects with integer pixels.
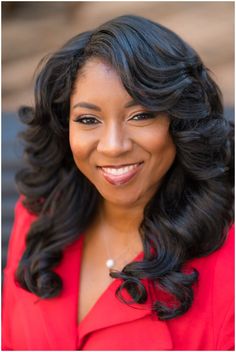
[
  {"x": 120, "y": 233},
  {"x": 115, "y": 230},
  {"x": 121, "y": 220}
]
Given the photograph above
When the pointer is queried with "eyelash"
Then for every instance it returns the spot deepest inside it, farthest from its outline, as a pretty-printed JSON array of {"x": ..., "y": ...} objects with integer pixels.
[
  {"x": 81, "y": 119},
  {"x": 145, "y": 116},
  {"x": 94, "y": 121}
]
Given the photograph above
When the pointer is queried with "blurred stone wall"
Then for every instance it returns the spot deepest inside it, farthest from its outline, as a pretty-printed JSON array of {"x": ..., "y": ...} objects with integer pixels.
[{"x": 32, "y": 29}]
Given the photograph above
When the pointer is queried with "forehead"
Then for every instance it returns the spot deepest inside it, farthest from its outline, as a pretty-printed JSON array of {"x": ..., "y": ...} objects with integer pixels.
[
  {"x": 95, "y": 64},
  {"x": 98, "y": 79}
]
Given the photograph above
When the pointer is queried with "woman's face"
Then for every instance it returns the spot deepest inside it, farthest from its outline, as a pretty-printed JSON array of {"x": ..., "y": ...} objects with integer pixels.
[{"x": 123, "y": 149}]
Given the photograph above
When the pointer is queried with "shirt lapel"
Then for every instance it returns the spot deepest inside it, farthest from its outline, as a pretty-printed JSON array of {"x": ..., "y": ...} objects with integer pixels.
[{"x": 109, "y": 311}]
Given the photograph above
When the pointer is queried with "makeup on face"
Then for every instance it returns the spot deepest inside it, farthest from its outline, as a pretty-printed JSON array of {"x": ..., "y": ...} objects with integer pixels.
[
  {"x": 119, "y": 175},
  {"x": 122, "y": 148}
]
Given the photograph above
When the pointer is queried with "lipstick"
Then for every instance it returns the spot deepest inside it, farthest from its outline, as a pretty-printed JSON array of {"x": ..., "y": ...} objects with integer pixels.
[{"x": 119, "y": 175}]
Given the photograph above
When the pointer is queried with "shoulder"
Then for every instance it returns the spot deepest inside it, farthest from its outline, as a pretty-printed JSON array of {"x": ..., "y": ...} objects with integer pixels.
[
  {"x": 22, "y": 222},
  {"x": 215, "y": 291},
  {"x": 224, "y": 264},
  {"x": 219, "y": 264},
  {"x": 217, "y": 269},
  {"x": 223, "y": 293}
]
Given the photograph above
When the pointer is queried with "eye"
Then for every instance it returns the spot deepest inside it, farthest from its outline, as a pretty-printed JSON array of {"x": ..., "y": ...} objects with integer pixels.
[
  {"x": 87, "y": 120},
  {"x": 143, "y": 116}
]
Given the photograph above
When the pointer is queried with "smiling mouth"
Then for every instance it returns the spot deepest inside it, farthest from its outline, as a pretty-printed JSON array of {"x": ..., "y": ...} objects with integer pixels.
[{"x": 118, "y": 175}]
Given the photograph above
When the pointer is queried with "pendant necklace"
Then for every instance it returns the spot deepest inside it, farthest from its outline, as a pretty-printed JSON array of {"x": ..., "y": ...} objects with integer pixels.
[{"x": 111, "y": 262}]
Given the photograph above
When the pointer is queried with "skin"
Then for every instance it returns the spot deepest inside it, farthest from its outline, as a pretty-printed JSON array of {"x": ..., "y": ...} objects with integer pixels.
[
  {"x": 117, "y": 138},
  {"x": 118, "y": 131}
]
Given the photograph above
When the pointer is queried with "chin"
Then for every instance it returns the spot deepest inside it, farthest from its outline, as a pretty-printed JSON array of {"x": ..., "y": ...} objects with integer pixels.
[{"x": 123, "y": 199}]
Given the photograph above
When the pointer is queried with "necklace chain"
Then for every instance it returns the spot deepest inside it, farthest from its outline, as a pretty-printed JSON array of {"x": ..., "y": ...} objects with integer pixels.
[{"x": 111, "y": 262}]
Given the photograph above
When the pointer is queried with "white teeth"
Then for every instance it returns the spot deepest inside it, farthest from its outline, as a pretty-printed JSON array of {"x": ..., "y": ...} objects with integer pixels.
[{"x": 120, "y": 171}]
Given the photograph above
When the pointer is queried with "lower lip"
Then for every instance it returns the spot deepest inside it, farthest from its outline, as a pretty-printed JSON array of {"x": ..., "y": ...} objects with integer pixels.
[{"x": 121, "y": 179}]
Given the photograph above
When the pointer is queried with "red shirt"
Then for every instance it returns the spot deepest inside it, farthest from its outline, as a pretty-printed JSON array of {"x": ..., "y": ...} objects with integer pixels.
[{"x": 32, "y": 324}]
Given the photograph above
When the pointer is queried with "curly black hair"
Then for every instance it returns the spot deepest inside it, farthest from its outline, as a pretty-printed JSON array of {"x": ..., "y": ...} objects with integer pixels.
[{"x": 191, "y": 212}]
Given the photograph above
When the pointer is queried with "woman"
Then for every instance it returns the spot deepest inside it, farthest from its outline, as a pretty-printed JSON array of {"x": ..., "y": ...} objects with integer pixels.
[{"x": 123, "y": 232}]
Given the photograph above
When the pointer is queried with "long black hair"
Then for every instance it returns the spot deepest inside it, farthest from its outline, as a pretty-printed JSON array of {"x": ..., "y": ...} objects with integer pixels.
[{"x": 191, "y": 212}]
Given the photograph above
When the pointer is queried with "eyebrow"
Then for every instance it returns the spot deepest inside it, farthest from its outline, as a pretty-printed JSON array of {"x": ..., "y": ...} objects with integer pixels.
[{"x": 86, "y": 105}]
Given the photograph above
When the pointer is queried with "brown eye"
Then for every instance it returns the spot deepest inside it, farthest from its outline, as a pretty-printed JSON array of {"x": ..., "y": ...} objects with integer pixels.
[
  {"x": 87, "y": 120},
  {"x": 143, "y": 116}
]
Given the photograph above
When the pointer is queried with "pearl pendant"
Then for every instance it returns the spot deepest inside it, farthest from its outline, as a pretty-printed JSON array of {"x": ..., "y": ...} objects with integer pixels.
[{"x": 110, "y": 263}]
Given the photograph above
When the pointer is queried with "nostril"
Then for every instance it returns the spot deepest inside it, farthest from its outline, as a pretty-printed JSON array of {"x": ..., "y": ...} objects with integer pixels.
[{"x": 114, "y": 146}]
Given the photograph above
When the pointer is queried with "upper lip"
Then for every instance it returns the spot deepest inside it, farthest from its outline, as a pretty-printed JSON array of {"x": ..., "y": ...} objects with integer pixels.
[{"x": 119, "y": 166}]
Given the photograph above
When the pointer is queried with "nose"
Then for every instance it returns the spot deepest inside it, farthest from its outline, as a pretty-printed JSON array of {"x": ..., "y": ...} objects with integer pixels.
[{"x": 114, "y": 140}]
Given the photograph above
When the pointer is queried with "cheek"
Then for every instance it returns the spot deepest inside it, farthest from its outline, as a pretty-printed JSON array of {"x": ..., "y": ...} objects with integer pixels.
[
  {"x": 80, "y": 152},
  {"x": 80, "y": 144},
  {"x": 163, "y": 151}
]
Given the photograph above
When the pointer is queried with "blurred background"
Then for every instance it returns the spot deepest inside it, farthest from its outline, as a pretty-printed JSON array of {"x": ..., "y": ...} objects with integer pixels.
[{"x": 33, "y": 29}]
